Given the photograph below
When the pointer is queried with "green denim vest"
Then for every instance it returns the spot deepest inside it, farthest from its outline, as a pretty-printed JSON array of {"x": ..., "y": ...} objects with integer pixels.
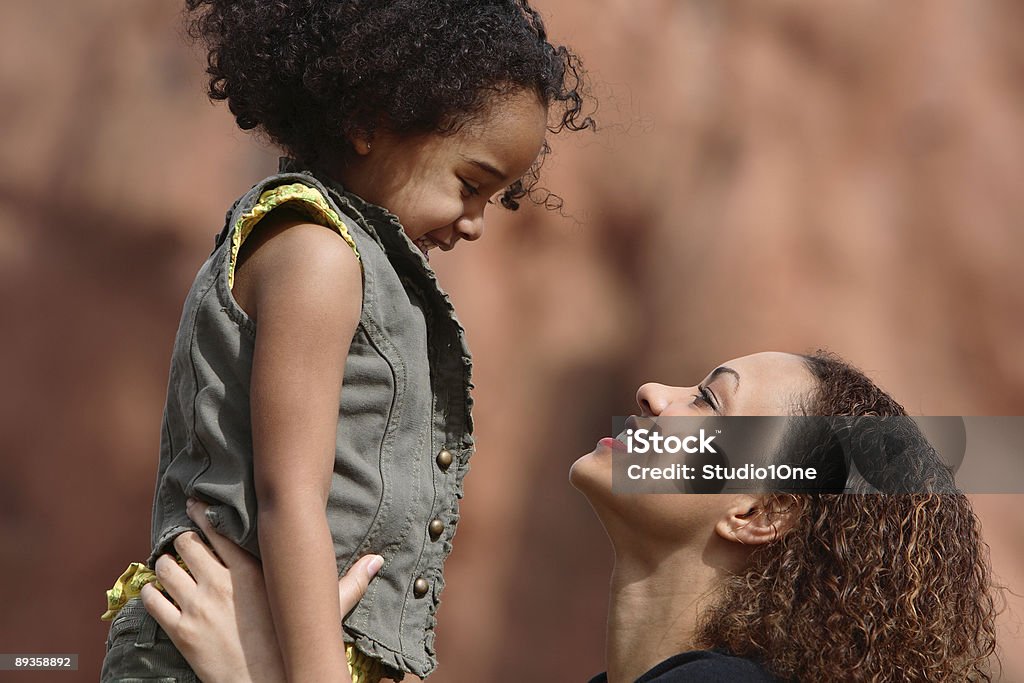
[{"x": 404, "y": 427}]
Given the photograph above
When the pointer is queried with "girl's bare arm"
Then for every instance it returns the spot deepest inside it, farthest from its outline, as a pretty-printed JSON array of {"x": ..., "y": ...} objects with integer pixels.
[{"x": 304, "y": 285}]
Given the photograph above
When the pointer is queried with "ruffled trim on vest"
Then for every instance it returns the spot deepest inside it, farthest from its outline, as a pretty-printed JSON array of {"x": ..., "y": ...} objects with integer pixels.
[
  {"x": 395, "y": 237},
  {"x": 386, "y": 229},
  {"x": 304, "y": 199}
]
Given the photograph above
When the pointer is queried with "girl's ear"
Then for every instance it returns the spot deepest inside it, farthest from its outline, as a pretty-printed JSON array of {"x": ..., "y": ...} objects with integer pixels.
[
  {"x": 361, "y": 144},
  {"x": 754, "y": 520}
]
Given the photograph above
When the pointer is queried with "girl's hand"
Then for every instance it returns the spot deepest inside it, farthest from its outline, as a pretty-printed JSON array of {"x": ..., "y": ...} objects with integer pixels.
[{"x": 222, "y": 624}]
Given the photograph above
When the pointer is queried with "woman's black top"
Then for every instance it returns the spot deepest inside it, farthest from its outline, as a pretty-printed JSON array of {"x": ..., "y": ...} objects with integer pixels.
[{"x": 702, "y": 666}]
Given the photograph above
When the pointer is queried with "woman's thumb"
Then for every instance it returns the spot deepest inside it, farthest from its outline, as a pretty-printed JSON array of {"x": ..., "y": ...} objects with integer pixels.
[{"x": 352, "y": 585}]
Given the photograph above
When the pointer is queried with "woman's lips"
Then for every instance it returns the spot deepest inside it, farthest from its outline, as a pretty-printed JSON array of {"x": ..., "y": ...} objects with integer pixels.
[{"x": 613, "y": 444}]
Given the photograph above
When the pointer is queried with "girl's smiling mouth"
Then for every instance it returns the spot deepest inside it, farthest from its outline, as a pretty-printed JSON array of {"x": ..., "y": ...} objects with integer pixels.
[{"x": 425, "y": 244}]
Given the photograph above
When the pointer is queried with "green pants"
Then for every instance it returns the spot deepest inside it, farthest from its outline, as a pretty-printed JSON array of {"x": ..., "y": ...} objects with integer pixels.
[{"x": 139, "y": 650}]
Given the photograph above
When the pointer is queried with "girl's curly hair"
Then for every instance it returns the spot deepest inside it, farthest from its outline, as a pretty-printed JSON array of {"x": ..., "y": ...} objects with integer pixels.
[
  {"x": 892, "y": 587},
  {"x": 311, "y": 74}
]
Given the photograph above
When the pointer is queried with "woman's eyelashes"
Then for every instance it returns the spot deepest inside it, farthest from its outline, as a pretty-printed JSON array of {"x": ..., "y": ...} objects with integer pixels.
[
  {"x": 705, "y": 396},
  {"x": 468, "y": 187}
]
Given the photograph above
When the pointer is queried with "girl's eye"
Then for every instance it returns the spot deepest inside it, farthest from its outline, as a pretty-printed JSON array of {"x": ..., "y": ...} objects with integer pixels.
[{"x": 469, "y": 189}]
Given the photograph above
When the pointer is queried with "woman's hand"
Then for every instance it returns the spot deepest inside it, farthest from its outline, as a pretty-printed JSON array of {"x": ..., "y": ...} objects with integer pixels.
[{"x": 222, "y": 624}]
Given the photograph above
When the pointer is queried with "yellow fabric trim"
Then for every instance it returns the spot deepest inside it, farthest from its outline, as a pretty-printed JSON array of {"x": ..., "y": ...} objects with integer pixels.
[
  {"x": 362, "y": 668},
  {"x": 305, "y": 199},
  {"x": 129, "y": 585}
]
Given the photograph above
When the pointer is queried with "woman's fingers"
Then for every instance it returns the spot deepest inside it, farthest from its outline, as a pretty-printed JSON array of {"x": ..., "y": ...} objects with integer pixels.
[
  {"x": 175, "y": 580},
  {"x": 196, "y": 555},
  {"x": 162, "y": 609},
  {"x": 352, "y": 586},
  {"x": 226, "y": 550}
]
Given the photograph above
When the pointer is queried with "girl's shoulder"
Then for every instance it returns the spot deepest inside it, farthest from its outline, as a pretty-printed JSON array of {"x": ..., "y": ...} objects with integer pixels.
[{"x": 301, "y": 197}]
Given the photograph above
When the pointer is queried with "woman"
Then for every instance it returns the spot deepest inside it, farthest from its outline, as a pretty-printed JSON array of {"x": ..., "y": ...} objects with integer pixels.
[{"x": 729, "y": 587}]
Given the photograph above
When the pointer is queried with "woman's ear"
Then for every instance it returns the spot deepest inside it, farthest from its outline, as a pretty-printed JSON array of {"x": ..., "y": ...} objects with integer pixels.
[{"x": 755, "y": 520}]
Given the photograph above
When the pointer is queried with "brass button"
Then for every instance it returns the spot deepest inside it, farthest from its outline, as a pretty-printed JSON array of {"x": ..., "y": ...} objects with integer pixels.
[
  {"x": 444, "y": 459},
  {"x": 436, "y": 528},
  {"x": 419, "y": 587}
]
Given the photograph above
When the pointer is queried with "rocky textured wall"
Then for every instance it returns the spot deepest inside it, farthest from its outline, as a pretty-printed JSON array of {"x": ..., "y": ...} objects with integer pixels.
[{"x": 771, "y": 175}]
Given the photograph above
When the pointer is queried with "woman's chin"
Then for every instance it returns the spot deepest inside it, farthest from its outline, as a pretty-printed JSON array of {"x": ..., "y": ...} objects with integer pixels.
[
  {"x": 592, "y": 473},
  {"x": 578, "y": 471}
]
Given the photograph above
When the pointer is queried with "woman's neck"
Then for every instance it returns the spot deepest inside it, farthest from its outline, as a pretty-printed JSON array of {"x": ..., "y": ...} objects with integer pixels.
[{"x": 655, "y": 605}]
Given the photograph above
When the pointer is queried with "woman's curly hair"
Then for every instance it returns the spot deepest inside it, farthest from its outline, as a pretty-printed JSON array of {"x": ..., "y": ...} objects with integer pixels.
[
  {"x": 893, "y": 587},
  {"x": 311, "y": 74}
]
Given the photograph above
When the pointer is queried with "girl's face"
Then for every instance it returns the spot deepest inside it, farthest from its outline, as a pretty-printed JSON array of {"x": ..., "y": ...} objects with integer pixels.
[{"x": 440, "y": 185}]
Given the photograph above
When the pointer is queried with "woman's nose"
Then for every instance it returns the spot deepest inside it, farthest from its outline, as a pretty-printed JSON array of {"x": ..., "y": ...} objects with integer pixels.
[{"x": 653, "y": 398}]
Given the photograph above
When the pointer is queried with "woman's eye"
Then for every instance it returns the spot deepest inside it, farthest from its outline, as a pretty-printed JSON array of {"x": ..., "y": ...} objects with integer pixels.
[
  {"x": 469, "y": 189},
  {"x": 703, "y": 396}
]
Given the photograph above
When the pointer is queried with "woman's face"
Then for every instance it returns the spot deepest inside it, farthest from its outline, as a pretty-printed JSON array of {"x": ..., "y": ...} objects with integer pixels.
[
  {"x": 767, "y": 383},
  {"x": 760, "y": 384}
]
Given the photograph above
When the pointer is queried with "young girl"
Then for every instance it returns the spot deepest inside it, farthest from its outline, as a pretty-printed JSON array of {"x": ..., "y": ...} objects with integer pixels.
[{"x": 319, "y": 384}]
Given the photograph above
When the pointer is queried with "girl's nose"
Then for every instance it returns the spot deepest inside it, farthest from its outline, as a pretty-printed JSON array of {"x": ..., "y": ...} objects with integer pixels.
[
  {"x": 653, "y": 398},
  {"x": 470, "y": 228}
]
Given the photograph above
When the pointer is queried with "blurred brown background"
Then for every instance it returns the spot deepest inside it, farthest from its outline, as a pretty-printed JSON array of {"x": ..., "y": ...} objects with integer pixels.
[{"x": 784, "y": 174}]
